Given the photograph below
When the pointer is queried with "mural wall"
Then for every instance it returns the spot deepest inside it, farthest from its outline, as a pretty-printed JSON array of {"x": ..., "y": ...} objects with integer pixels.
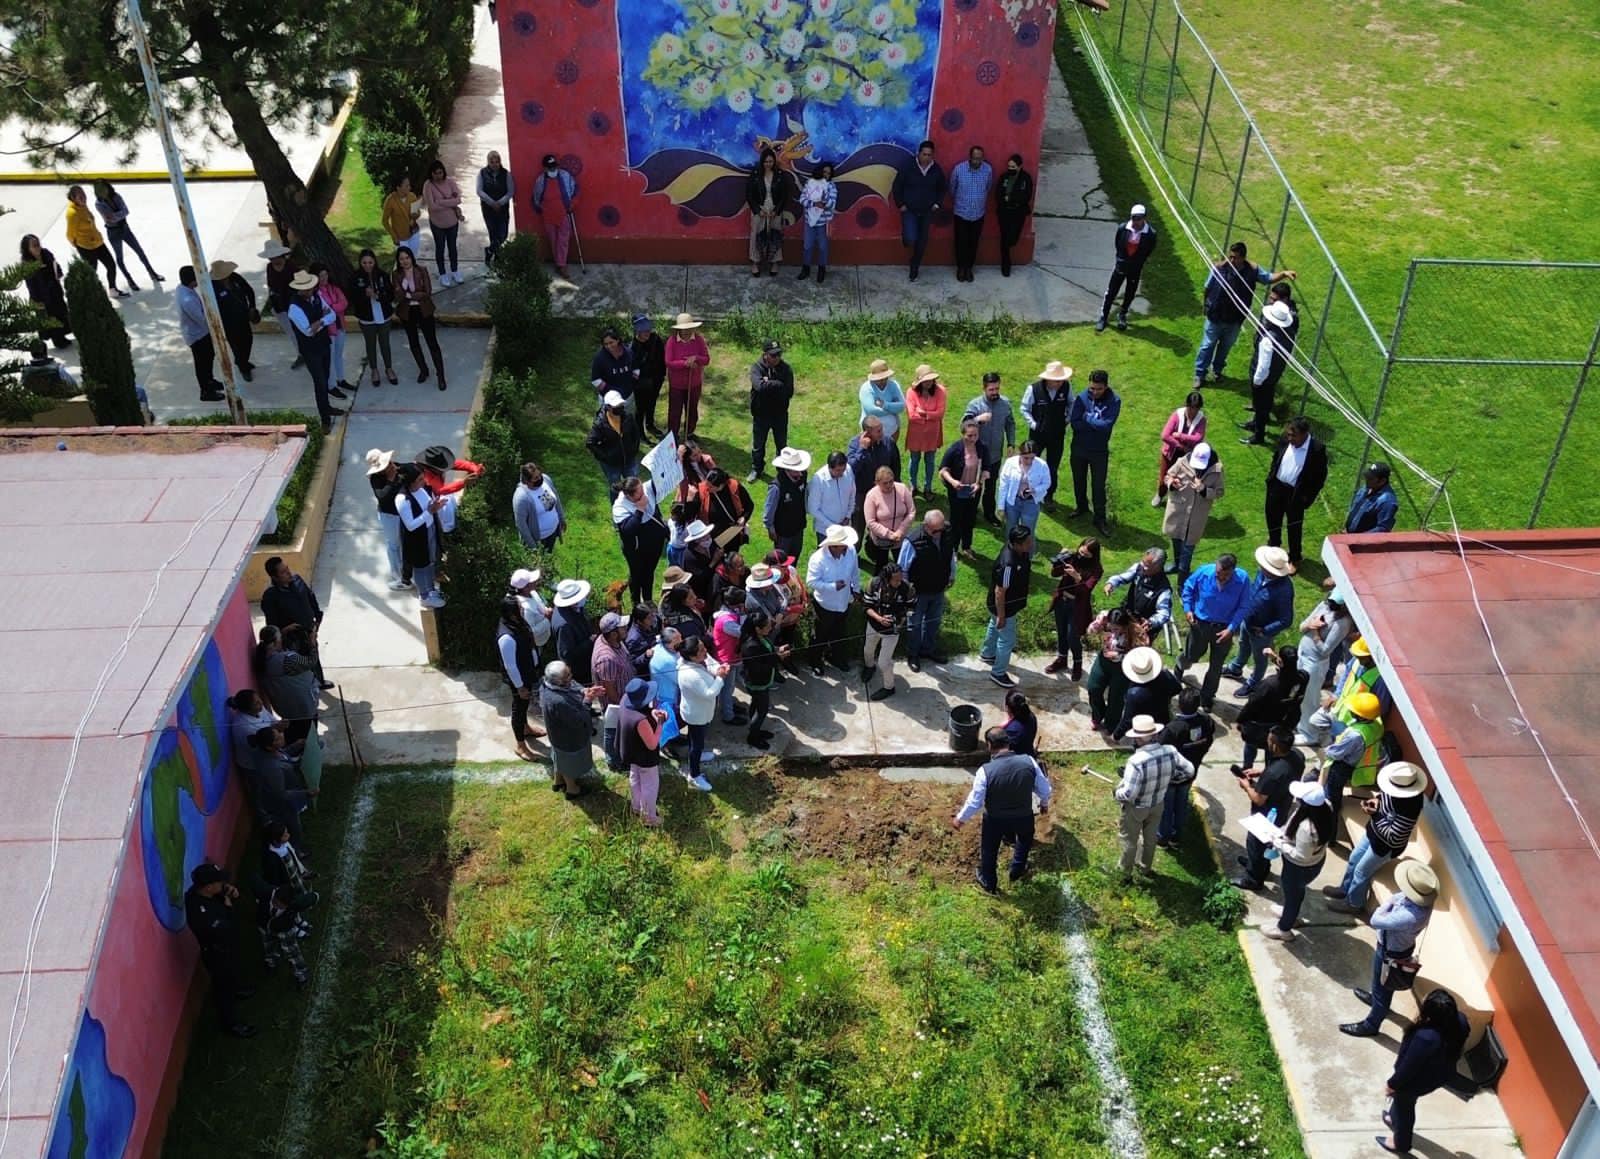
[
  {"x": 661, "y": 108},
  {"x": 123, "y": 1070}
]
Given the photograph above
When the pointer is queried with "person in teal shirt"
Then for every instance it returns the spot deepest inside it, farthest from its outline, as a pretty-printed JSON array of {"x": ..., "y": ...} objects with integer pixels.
[{"x": 882, "y": 399}]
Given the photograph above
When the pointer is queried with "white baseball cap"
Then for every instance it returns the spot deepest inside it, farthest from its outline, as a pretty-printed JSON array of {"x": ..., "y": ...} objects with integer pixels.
[{"x": 1137, "y": 211}]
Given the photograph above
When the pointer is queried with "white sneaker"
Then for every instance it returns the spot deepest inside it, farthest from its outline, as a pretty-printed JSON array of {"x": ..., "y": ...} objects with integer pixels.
[
  {"x": 433, "y": 600},
  {"x": 399, "y": 585},
  {"x": 700, "y": 783},
  {"x": 1276, "y": 934},
  {"x": 460, "y": 277},
  {"x": 1277, "y": 911}
]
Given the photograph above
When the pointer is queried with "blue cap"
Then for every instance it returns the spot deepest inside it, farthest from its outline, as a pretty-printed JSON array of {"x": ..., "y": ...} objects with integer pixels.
[{"x": 643, "y": 322}]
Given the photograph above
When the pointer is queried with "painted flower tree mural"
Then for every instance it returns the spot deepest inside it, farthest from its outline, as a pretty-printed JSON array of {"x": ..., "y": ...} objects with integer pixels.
[{"x": 710, "y": 83}]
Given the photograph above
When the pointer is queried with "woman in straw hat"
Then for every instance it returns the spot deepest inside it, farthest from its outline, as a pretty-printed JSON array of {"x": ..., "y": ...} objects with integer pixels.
[
  {"x": 925, "y": 410},
  {"x": 882, "y": 399},
  {"x": 687, "y": 359},
  {"x": 1399, "y": 921}
]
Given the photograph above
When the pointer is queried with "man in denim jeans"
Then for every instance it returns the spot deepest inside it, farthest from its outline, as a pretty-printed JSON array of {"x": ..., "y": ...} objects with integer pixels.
[
  {"x": 1008, "y": 595},
  {"x": 1268, "y": 611},
  {"x": 1229, "y": 297},
  {"x": 918, "y": 188}
]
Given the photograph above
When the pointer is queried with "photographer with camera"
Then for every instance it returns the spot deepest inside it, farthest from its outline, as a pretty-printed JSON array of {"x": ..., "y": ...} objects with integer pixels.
[{"x": 1072, "y": 603}]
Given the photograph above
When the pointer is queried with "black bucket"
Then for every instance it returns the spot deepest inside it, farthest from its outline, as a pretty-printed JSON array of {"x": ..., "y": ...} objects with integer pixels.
[{"x": 965, "y": 720}]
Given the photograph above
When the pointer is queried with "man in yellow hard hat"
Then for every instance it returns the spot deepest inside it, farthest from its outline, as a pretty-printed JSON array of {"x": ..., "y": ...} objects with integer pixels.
[{"x": 1353, "y": 752}]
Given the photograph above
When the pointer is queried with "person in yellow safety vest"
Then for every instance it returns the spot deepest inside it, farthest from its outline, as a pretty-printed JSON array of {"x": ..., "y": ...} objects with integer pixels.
[
  {"x": 1360, "y": 674},
  {"x": 1353, "y": 754}
]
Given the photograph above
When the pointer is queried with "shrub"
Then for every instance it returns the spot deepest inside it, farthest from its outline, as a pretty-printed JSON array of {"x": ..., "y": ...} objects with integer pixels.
[
  {"x": 103, "y": 348},
  {"x": 389, "y": 154},
  {"x": 519, "y": 306},
  {"x": 404, "y": 105},
  {"x": 293, "y": 499},
  {"x": 1223, "y": 904}
]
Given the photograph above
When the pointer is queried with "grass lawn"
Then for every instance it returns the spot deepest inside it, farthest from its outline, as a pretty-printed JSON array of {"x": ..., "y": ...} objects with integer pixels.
[
  {"x": 796, "y": 965},
  {"x": 354, "y": 205}
]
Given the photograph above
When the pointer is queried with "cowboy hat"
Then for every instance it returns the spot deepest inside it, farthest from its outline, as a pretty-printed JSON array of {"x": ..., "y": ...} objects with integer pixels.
[
  {"x": 378, "y": 460},
  {"x": 924, "y": 373},
  {"x": 1360, "y": 648},
  {"x": 220, "y": 270},
  {"x": 304, "y": 280},
  {"x": 1309, "y": 792},
  {"x": 1274, "y": 561},
  {"x": 878, "y": 371},
  {"x": 524, "y": 578},
  {"x": 762, "y": 575},
  {"x": 641, "y": 693},
  {"x": 1366, "y": 706},
  {"x": 274, "y": 249},
  {"x": 1141, "y": 665},
  {"x": 674, "y": 578},
  {"x": 1056, "y": 372},
  {"x": 1278, "y": 314},
  {"x": 685, "y": 322},
  {"x": 1417, "y": 882},
  {"x": 1402, "y": 779},
  {"x": 792, "y": 459},
  {"x": 840, "y": 535},
  {"x": 571, "y": 593},
  {"x": 1200, "y": 457},
  {"x": 699, "y": 529},
  {"x": 1144, "y": 726}
]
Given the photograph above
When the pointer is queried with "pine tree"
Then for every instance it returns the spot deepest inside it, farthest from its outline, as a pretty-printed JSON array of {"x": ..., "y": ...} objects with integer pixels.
[{"x": 103, "y": 348}]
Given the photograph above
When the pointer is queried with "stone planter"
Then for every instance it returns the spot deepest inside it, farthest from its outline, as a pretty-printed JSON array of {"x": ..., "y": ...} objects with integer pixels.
[{"x": 301, "y": 552}]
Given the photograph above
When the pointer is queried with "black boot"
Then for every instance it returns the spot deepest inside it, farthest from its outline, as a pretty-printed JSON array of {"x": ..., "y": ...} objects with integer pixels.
[
  {"x": 822, "y": 274},
  {"x": 805, "y": 272}
]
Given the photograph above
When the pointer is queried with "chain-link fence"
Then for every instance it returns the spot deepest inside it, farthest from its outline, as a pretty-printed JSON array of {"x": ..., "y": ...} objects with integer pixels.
[{"x": 1483, "y": 375}]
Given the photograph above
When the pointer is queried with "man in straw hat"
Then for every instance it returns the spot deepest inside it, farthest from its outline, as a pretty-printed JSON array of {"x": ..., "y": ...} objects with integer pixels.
[
  {"x": 281, "y": 269},
  {"x": 1151, "y": 688},
  {"x": 833, "y": 576},
  {"x": 771, "y": 388},
  {"x": 1392, "y": 818},
  {"x": 569, "y": 626},
  {"x": 1142, "y": 792},
  {"x": 687, "y": 358},
  {"x": 787, "y": 499},
  {"x": 1399, "y": 922},
  {"x": 883, "y": 399},
  {"x": 389, "y": 483},
  {"x": 313, "y": 323},
  {"x": 1268, "y": 610},
  {"x": 236, "y": 306},
  {"x": 1004, "y": 788},
  {"x": 1044, "y": 408}
]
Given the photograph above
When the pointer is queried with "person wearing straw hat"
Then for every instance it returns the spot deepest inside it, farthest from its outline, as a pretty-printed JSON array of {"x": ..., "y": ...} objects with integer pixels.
[
  {"x": 883, "y": 399},
  {"x": 1275, "y": 335},
  {"x": 1151, "y": 688},
  {"x": 281, "y": 269},
  {"x": 1142, "y": 792},
  {"x": 1135, "y": 241},
  {"x": 389, "y": 482},
  {"x": 787, "y": 499},
  {"x": 1025, "y": 481},
  {"x": 1268, "y": 610},
  {"x": 681, "y": 608},
  {"x": 1004, "y": 788},
  {"x": 1302, "y": 841},
  {"x": 313, "y": 321},
  {"x": 236, "y": 306},
  {"x": 701, "y": 556},
  {"x": 569, "y": 626},
  {"x": 833, "y": 576},
  {"x": 197, "y": 335},
  {"x": 1045, "y": 405},
  {"x": 771, "y": 388},
  {"x": 687, "y": 357},
  {"x": 1392, "y": 819},
  {"x": 1399, "y": 921},
  {"x": 926, "y": 404},
  {"x": 639, "y": 742}
]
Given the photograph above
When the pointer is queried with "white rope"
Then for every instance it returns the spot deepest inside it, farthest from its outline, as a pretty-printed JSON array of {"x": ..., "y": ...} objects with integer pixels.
[{"x": 21, "y": 1005}]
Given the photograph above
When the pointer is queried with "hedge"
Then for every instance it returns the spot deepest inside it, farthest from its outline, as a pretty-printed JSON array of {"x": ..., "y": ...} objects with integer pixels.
[
  {"x": 519, "y": 306},
  {"x": 405, "y": 106},
  {"x": 103, "y": 348}
]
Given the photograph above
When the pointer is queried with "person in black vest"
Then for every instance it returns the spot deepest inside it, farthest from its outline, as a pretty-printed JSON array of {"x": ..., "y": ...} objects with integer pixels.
[
  {"x": 208, "y": 906},
  {"x": 1149, "y": 598},
  {"x": 1004, "y": 789},
  {"x": 647, "y": 354},
  {"x": 419, "y": 539},
  {"x": 928, "y": 557},
  {"x": 1009, "y": 582},
  {"x": 519, "y": 667},
  {"x": 643, "y": 534},
  {"x": 639, "y": 744},
  {"x": 1229, "y": 293},
  {"x": 771, "y": 388},
  {"x": 313, "y": 323},
  {"x": 1280, "y": 323},
  {"x": 917, "y": 190},
  {"x": 496, "y": 190},
  {"x": 785, "y": 511},
  {"x": 1294, "y": 480},
  {"x": 236, "y": 305},
  {"x": 1044, "y": 408},
  {"x": 1135, "y": 242}
]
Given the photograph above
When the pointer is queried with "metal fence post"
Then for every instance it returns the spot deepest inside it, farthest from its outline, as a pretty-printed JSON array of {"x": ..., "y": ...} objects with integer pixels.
[
  {"x": 1244, "y": 156},
  {"x": 1566, "y": 425},
  {"x": 1316, "y": 344},
  {"x": 1149, "y": 35},
  {"x": 1122, "y": 23},
  {"x": 1172, "y": 76},
  {"x": 1388, "y": 363},
  {"x": 1205, "y": 124},
  {"x": 1283, "y": 223}
]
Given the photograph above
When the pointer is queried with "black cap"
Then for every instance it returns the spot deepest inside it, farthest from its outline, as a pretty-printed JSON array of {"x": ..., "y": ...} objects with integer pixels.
[
  {"x": 549, "y": 160},
  {"x": 770, "y": 346},
  {"x": 208, "y": 874},
  {"x": 1021, "y": 533},
  {"x": 1380, "y": 469}
]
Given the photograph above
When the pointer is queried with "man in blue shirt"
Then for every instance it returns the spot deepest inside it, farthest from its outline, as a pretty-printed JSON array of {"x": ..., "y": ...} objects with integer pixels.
[
  {"x": 969, "y": 198},
  {"x": 1268, "y": 611},
  {"x": 1213, "y": 598},
  {"x": 1375, "y": 506},
  {"x": 1092, "y": 416},
  {"x": 1229, "y": 297}
]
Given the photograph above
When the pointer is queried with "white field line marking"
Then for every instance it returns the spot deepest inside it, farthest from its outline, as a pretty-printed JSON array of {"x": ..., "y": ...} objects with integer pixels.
[
  {"x": 1117, "y": 1111},
  {"x": 303, "y": 1099}
]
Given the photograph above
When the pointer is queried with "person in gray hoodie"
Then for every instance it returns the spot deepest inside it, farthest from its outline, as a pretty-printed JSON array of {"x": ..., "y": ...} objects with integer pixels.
[{"x": 997, "y": 435}]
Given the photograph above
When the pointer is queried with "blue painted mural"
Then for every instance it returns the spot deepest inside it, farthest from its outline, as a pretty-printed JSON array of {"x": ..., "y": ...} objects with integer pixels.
[
  {"x": 708, "y": 84},
  {"x": 172, "y": 828},
  {"x": 203, "y": 719},
  {"x": 95, "y": 1118}
]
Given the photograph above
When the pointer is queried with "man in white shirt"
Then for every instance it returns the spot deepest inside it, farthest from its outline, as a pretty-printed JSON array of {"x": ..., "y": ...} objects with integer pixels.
[
  {"x": 831, "y": 498},
  {"x": 1024, "y": 482},
  {"x": 1294, "y": 480},
  {"x": 313, "y": 321},
  {"x": 833, "y": 574}
]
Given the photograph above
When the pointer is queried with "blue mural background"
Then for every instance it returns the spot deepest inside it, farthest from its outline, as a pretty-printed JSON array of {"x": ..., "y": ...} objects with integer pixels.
[
  {"x": 95, "y": 1118},
  {"x": 203, "y": 718},
  {"x": 172, "y": 829}
]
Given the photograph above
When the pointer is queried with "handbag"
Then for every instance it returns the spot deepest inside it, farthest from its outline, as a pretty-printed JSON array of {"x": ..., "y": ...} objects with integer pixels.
[{"x": 1400, "y": 972}]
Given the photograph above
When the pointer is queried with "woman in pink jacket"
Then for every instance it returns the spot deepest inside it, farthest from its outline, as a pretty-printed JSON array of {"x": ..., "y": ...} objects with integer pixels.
[
  {"x": 336, "y": 301},
  {"x": 925, "y": 406},
  {"x": 687, "y": 359},
  {"x": 1185, "y": 430},
  {"x": 442, "y": 196}
]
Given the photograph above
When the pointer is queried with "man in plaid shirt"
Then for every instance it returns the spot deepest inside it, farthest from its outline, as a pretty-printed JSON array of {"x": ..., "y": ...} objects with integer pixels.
[{"x": 1143, "y": 790}]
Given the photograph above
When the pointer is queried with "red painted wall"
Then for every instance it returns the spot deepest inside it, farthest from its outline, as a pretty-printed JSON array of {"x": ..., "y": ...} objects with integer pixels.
[{"x": 561, "y": 65}]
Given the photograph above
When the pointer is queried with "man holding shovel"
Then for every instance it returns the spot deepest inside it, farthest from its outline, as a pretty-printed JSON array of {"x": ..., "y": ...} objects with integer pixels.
[{"x": 1004, "y": 789}]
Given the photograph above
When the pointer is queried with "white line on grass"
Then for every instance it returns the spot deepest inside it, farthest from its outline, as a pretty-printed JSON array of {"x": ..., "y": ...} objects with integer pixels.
[{"x": 1117, "y": 1111}]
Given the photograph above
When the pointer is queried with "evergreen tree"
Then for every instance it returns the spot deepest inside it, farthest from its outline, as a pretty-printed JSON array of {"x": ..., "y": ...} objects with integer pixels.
[
  {"x": 19, "y": 326},
  {"x": 103, "y": 348}
]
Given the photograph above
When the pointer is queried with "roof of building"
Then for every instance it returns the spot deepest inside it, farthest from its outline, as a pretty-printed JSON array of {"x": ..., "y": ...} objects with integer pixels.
[
  {"x": 1486, "y": 702},
  {"x": 128, "y": 537}
]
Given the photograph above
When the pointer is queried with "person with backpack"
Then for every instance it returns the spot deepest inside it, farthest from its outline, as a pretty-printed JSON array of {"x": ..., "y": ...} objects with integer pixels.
[{"x": 1429, "y": 1051}]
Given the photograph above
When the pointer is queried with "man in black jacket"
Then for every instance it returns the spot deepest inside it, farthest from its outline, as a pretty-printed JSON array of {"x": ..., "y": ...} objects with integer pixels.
[
  {"x": 208, "y": 908},
  {"x": 290, "y": 602},
  {"x": 1294, "y": 480},
  {"x": 771, "y": 388},
  {"x": 1135, "y": 242},
  {"x": 647, "y": 354},
  {"x": 917, "y": 190},
  {"x": 614, "y": 440},
  {"x": 236, "y": 304}
]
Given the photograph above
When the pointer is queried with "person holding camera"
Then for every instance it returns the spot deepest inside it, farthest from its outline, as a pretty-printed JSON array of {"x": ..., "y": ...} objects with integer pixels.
[
  {"x": 1072, "y": 603},
  {"x": 771, "y": 389},
  {"x": 208, "y": 908}
]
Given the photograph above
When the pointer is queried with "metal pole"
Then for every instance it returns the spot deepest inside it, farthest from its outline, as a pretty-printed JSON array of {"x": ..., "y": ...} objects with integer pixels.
[
  {"x": 1172, "y": 75},
  {"x": 1205, "y": 123},
  {"x": 1122, "y": 23},
  {"x": 191, "y": 233},
  {"x": 1316, "y": 344},
  {"x": 1566, "y": 425},
  {"x": 1388, "y": 364},
  {"x": 1244, "y": 156},
  {"x": 1283, "y": 223},
  {"x": 1149, "y": 35},
  {"x": 1427, "y": 516}
]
